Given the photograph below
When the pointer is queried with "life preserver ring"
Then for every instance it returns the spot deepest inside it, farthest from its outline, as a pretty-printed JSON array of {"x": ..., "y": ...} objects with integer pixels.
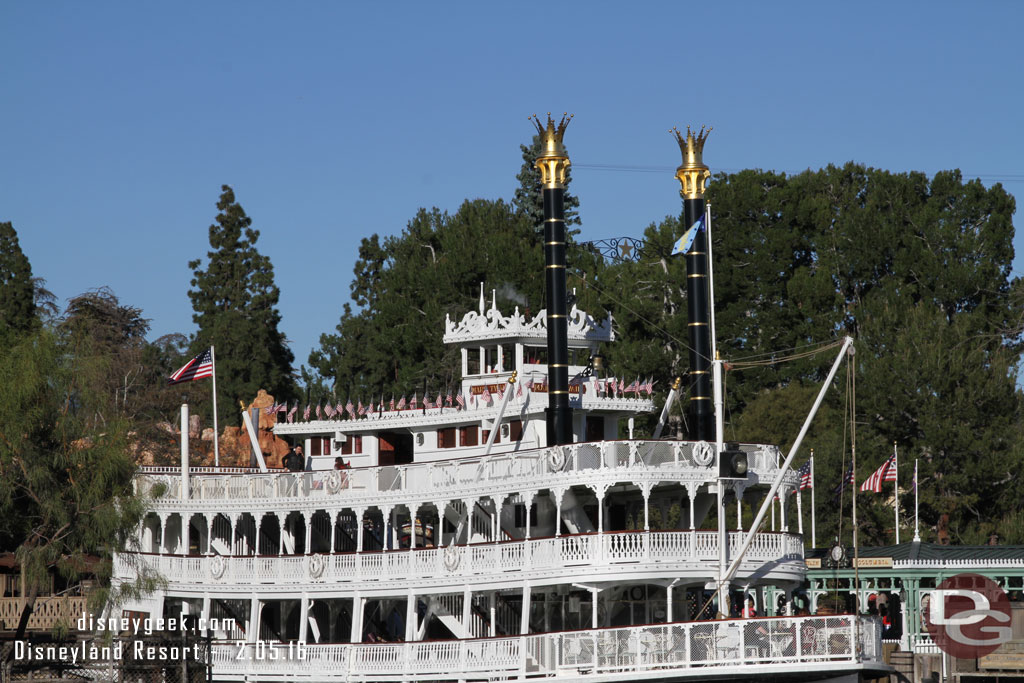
[
  {"x": 334, "y": 481},
  {"x": 316, "y": 566},
  {"x": 556, "y": 459},
  {"x": 451, "y": 558},
  {"x": 217, "y": 566},
  {"x": 703, "y": 453}
]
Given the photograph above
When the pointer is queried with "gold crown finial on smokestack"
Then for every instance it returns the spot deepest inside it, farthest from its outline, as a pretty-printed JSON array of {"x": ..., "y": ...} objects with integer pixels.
[
  {"x": 552, "y": 161},
  {"x": 692, "y": 174}
]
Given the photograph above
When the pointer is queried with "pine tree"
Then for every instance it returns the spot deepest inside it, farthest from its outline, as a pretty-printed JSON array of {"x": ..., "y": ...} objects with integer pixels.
[
  {"x": 17, "y": 306},
  {"x": 529, "y": 200},
  {"x": 235, "y": 306}
]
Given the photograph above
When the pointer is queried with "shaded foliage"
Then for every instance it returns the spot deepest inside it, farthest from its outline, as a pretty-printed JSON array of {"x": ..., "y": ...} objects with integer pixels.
[{"x": 17, "y": 301}]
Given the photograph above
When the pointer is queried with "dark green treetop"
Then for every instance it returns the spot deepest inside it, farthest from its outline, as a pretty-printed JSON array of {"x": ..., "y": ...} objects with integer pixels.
[
  {"x": 234, "y": 300},
  {"x": 17, "y": 304}
]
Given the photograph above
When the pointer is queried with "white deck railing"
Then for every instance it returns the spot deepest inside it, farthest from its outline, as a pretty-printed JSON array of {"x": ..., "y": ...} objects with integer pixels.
[
  {"x": 635, "y": 550},
  {"x": 776, "y": 645},
  {"x": 432, "y": 477}
]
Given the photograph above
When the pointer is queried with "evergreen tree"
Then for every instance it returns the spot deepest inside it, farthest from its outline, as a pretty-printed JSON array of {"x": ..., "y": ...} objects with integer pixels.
[
  {"x": 234, "y": 300},
  {"x": 529, "y": 199},
  {"x": 17, "y": 304}
]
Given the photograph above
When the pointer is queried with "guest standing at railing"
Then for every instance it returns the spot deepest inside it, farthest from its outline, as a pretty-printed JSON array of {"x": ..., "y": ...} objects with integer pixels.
[{"x": 293, "y": 460}]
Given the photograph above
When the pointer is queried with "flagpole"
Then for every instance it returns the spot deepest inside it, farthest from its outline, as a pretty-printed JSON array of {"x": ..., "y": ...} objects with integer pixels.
[
  {"x": 814, "y": 535},
  {"x": 896, "y": 489},
  {"x": 917, "y": 527},
  {"x": 216, "y": 432}
]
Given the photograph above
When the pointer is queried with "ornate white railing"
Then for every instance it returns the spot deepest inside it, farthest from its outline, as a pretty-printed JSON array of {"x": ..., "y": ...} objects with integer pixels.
[
  {"x": 434, "y": 477},
  {"x": 776, "y": 645},
  {"x": 632, "y": 551}
]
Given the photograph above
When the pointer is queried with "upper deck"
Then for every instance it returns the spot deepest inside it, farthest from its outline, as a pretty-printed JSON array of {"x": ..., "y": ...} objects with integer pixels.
[{"x": 593, "y": 464}]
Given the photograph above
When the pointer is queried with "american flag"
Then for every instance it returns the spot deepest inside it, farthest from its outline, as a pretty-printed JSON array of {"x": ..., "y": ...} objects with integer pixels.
[
  {"x": 413, "y": 402},
  {"x": 461, "y": 400},
  {"x": 401, "y": 403},
  {"x": 350, "y": 409},
  {"x": 199, "y": 367},
  {"x": 329, "y": 410},
  {"x": 805, "y": 476},
  {"x": 622, "y": 386},
  {"x": 339, "y": 409},
  {"x": 291, "y": 413},
  {"x": 847, "y": 479},
  {"x": 361, "y": 410},
  {"x": 649, "y": 387},
  {"x": 305, "y": 413},
  {"x": 487, "y": 394},
  {"x": 392, "y": 404},
  {"x": 282, "y": 408},
  {"x": 319, "y": 411},
  {"x": 427, "y": 403},
  {"x": 874, "y": 482},
  {"x": 448, "y": 399},
  {"x": 519, "y": 390}
]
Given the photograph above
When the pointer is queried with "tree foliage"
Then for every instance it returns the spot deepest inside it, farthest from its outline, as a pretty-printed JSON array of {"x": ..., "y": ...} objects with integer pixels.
[
  {"x": 405, "y": 286},
  {"x": 65, "y": 470},
  {"x": 17, "y": 302},
  {"x": 234, "y": 300}
]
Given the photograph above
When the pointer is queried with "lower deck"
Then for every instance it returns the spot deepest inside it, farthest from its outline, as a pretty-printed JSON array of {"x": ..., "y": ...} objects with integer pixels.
[{"x": 806, "y": 648}]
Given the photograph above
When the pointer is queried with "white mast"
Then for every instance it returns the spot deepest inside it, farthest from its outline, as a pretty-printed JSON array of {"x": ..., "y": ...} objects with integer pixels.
[
  {"x": 216, "y": 432},
  {"x": 896, "y": 490}
]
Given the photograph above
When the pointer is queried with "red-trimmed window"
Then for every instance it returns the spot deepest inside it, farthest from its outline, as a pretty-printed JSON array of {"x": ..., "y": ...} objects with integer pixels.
[
  {"x": 469, "y": 436},
  {"x": 319, "y": 446},
  {"x": 446, "y": 437},
  {"x": 515, "y": 430}
]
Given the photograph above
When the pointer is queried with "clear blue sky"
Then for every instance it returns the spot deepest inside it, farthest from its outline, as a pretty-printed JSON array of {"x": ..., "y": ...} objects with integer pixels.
[{"x": 332, "y": 121}]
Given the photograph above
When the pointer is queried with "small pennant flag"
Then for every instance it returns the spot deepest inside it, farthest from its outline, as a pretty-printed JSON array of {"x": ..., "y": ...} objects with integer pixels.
[{"x": 686, "y": 241}]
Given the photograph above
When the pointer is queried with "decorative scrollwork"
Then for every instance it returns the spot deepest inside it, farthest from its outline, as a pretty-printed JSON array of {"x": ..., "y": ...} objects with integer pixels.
[
  {"x": 556, "y": 459},
  {"x": 452, "y": 557},
  {"x": 316, "y": 566},
  {"x": 217, "y": 566},
  {"x": 334, "y": 482},
  {"x": 618, "y": 248},
  {"x": 703, "y": 453}
]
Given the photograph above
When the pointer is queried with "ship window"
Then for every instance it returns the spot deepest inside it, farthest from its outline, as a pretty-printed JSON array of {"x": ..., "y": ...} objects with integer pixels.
[
  {"x": 446, "y": 437},
  {"x": 508, "y": 358},
  {"x": 485, "y": 434},
  {"x": 354, "y": 444},
  {"x": 491, "y": 356},
  {"x": 469, "y": 436},
  {"x": 319, "y": 446},
  {"x": 536, "y": 355},
  {"x": 472, "y": 362},
  {"x": 515, "y": 430}
]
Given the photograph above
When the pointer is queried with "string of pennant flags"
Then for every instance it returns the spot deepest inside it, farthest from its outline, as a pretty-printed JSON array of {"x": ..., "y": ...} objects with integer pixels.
[{"x": 457, "y": 401}]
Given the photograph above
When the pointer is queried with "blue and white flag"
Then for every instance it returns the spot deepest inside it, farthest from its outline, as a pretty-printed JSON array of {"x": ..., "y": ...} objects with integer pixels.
[{"x": 686, "y": 241}]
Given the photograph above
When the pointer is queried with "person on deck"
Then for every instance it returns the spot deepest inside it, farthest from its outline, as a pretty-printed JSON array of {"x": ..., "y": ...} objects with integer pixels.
[{"x": 293, "y": 460}]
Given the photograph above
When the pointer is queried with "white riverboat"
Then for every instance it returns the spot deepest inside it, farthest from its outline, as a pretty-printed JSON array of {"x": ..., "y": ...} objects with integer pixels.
[{"x": 464, "y": 545}]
